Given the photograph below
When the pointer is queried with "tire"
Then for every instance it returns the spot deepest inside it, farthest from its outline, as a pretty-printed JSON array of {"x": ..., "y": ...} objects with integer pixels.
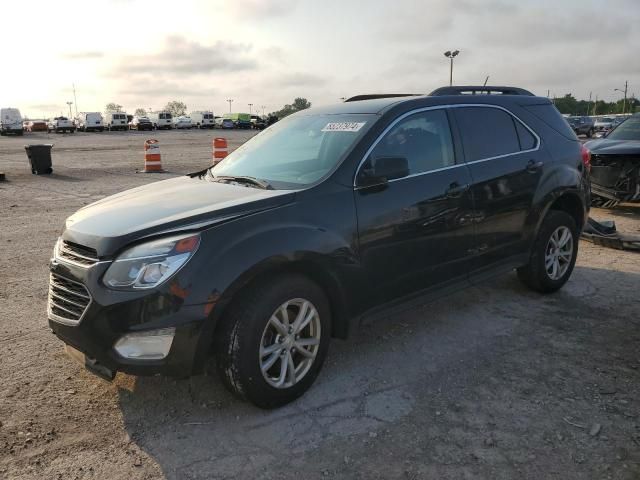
[
  {"x": 535, "y": 274},
  {"x": 247, "y": 326}
]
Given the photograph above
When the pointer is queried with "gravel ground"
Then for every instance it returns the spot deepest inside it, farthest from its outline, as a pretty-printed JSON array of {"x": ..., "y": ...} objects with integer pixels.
[{"x": 493, "y": 382}]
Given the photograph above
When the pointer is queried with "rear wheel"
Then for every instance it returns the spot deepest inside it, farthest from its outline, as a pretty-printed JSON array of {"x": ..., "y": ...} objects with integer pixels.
[
  {"x": 274, "y": 340},
  {"x": 553, "y": 255}
]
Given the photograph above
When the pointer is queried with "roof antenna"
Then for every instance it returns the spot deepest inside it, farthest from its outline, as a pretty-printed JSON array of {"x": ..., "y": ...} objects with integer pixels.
[{"x": 485, "y": 81}]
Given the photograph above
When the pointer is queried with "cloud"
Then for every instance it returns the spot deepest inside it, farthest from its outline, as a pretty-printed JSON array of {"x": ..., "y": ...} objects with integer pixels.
[
  {"x": 88, "y": 55},
  {"x": 534, "y": 27},
  {"x": 47, "y": 107},
  {"x": 181, "y": 56},
  {"x": 273, "y": 54},
  {"x": 417, "y": 22},
  {"x": 298, "y": 79},
  {"x": 261, "y": 9},
  {"x": 152, "y": 87}
]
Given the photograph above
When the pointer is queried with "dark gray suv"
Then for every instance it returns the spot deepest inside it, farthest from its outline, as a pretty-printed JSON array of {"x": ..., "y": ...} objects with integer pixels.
[
  {"x": 582, "y": 125},
  {"x": 334, "y": 213}
]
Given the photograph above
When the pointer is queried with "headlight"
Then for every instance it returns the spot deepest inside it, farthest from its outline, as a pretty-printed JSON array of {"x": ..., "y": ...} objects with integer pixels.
[{"x": 149, "y": 264}]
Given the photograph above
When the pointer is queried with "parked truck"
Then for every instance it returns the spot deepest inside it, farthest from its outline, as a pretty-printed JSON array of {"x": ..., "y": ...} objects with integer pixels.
[
  {"x": 240, "y": 120},
  {"x": 61, "y": 125}
]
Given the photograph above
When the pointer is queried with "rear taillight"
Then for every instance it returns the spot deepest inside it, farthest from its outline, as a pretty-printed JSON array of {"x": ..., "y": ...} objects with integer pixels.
[{"x": 586, "y": 157}]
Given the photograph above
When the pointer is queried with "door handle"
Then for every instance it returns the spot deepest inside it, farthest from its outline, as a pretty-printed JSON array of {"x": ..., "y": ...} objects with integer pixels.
[
  {"x": 533, "y": 166},
  {"x": 456, "y": 190}
]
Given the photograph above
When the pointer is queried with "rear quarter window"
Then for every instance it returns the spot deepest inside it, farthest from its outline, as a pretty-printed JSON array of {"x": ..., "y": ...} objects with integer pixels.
[{"x": 550, "y": 115}]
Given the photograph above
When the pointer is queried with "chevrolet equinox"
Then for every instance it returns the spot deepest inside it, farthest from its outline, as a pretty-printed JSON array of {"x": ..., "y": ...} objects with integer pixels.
[{"x": 332, "y": 214}]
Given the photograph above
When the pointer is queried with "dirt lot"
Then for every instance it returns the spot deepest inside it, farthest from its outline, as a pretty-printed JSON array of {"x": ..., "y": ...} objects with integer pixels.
[{"x": 494, "y": 382}]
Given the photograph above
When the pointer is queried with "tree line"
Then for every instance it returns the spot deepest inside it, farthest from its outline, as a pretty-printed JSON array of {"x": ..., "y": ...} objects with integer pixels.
[{"x": 571, "y": 106}]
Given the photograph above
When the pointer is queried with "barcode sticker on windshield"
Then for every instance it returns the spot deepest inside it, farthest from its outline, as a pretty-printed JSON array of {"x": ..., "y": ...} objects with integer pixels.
[{"x": 343, "y": 127}]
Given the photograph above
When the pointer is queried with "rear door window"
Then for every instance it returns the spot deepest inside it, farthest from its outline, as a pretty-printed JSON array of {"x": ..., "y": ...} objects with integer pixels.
[{"x": 486, "y": 132}]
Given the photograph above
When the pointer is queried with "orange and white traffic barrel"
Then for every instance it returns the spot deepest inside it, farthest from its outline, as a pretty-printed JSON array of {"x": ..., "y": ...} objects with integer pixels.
[
  {"x": 152, "y": 159},
  {"x": 220, "y": 149}
]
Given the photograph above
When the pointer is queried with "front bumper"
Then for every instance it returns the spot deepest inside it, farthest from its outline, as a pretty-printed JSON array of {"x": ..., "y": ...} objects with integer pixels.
[
  {"x": 111, "y": 314},
  {"x": 12, "y": 130}
]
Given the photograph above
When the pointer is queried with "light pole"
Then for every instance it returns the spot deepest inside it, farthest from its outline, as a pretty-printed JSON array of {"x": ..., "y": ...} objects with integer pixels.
[
  {"x": 230, "y": 100},
  {"x": 624, "y": 104},
  {"x": 263, "y": 107},
  {"x": 250, "y": 105},
  {"x": 75, "y": 100},
  {"x": 451, "y": 55},
  {"x": 69, "y": 103}
]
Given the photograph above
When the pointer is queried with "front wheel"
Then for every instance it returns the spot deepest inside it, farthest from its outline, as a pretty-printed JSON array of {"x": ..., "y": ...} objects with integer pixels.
[
  {"x": 273, "y": 340},
  {"x": 553, "y": 255}
]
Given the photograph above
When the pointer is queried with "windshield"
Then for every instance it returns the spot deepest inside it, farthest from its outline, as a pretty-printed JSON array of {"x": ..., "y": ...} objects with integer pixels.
[
  {"x": 296, "y": 151},
  {"x": 627, "y": 130}
]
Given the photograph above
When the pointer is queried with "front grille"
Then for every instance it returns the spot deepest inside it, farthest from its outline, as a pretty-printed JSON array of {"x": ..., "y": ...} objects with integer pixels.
[
  {"x": 75, "y": 253},
  {"x": 68, "y": 299}
]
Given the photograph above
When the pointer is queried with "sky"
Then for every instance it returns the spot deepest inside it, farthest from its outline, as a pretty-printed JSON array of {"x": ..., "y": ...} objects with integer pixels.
[{"x": 143, "y": 53}]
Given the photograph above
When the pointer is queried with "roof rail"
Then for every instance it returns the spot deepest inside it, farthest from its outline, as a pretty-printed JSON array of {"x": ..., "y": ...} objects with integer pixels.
[
  {"x": 480, "y": 90},
  {"x": 372, "y": 96}
]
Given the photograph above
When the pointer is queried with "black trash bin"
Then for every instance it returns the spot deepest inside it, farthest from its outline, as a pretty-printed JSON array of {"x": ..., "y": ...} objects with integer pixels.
[{"x": 39, "y": 158}]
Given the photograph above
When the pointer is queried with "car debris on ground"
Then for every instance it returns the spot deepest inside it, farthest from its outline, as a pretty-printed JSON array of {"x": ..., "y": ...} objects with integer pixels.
[{"x": 605, "y": 233}]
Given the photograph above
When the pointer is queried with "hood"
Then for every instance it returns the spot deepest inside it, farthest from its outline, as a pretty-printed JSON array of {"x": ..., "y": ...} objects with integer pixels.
[
  {"x": 179, "y": 203},
  {"x": 605, "y": 146}
]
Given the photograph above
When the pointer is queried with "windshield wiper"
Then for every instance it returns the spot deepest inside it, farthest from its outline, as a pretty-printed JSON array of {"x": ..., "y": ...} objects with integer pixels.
[{"x": 243, "y": 179}]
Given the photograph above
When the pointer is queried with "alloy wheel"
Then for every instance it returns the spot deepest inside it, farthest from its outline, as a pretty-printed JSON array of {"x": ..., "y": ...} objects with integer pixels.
[
  {"x": 290, "y": 343},
  {"x": 559, "y": 253}
]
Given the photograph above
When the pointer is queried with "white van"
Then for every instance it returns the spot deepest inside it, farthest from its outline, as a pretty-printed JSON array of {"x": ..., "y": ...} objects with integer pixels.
[
  {"x": 161, "y": 120},
  {"x": 202, "y": 119},
  {"x": 116, "y": 121},
  {"x": 11, "y": 121},
  {"x": 90, "y": 121}
]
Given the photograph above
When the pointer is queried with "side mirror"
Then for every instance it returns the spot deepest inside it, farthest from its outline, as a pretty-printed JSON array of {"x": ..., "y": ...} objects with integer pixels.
[{"x": 383, "y": 170}]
